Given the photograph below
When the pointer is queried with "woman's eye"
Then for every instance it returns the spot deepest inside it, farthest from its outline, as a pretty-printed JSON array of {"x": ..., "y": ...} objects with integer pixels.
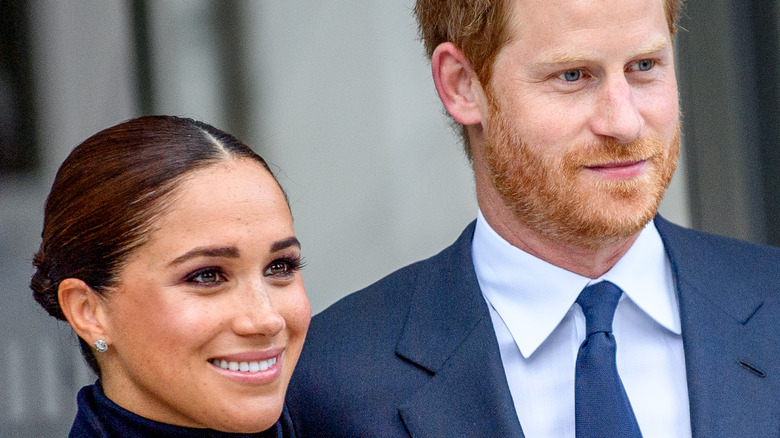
[
  {"x": 571, "y": 75},
  {"x": 282, "y": 268},
  {"x": 207, "y": 276},
  {"x": 644, "y": 65}
]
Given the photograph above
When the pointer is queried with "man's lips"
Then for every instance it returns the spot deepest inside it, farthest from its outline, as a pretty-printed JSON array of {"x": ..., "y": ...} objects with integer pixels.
[
  {"x": 620, "y": 169},
  {"x": 616, "y": 164}
]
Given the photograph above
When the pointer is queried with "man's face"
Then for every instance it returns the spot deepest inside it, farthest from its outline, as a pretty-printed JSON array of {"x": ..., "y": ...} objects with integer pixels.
[{"x": 582, "y": 126}]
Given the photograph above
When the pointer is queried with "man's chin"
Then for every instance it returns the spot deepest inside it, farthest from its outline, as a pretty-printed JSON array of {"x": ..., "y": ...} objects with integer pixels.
[
  {"x": 596, "y": 224},
  {"x": 613, "y": 230}
]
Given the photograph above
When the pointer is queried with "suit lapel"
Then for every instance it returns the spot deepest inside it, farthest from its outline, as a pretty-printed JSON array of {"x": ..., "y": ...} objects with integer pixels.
[
  {"x": 449, "y": 333},
  {"x": 729, "y": 334}
]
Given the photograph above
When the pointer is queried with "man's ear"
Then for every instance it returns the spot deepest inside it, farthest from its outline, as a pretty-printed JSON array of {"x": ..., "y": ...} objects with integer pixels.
[
  {"x": 457, "y": 84},
  {"x": 84, "y": 309}
]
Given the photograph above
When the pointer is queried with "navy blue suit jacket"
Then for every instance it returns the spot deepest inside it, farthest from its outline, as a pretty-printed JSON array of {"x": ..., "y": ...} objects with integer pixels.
[{"x": 415, "y": 354}]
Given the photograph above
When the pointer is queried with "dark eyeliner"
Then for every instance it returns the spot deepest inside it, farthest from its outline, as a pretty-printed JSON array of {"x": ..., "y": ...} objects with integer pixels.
[
  {"x": 190, "y": 278},
  {"x": 293, "y": 264}
]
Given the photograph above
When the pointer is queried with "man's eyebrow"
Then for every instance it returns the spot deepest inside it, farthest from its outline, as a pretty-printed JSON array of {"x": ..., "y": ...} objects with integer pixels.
[
  {"x": 285, "y": 243},
  {"x": 571, "y": 58},
  {"x": 208, "y": 251}
]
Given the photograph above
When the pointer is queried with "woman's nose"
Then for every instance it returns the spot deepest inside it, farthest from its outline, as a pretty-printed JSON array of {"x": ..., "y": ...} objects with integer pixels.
[{"x": 256, "y": 314}]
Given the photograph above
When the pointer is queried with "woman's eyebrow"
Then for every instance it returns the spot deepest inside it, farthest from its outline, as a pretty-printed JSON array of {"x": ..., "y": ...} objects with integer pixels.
[
  {"x": 208, "y": 251},
  {"x": 285, "y": 243}
]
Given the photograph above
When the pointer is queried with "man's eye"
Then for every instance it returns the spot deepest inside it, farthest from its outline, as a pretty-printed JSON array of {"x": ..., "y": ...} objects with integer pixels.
[
  {"x": 207, "y": 276},
  {"x": 571, "y": 75},
  {"x": 645, "y": 64}
]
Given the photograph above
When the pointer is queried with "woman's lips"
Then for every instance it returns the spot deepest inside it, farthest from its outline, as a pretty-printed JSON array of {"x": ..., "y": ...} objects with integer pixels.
[{"x": 251, "y": 368}]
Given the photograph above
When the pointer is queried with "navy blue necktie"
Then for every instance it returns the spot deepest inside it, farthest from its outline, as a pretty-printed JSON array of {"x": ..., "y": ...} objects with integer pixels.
[{"x": 602, "y": 409}]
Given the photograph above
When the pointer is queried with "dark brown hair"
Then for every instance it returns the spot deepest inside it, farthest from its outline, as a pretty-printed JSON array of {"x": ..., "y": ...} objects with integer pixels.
[
  {"x": 479, "y": 29},
  {"x": 107, "y": 194}
]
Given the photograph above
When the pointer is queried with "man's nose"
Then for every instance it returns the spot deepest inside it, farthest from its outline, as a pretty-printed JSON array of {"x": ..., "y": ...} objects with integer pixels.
[{"x": 616, "y": 114}]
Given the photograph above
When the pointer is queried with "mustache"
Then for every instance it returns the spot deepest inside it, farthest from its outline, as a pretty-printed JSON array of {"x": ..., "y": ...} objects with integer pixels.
[{"x": 610, "y": 150}]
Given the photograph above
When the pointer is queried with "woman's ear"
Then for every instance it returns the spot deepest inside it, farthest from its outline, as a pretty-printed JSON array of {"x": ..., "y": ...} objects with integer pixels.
[
  {"x": 457, "y": 84},
  {"x": 84, "y": 309}
]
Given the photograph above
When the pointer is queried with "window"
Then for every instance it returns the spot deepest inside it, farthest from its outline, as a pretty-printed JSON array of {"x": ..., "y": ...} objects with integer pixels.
[{"x": 17, "y": 130}]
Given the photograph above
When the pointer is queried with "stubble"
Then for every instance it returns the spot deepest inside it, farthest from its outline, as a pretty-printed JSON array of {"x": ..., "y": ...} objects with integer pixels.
[{"x": 557, "y": 198}]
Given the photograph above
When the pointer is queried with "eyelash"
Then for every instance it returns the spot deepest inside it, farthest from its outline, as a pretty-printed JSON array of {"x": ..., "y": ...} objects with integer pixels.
[
  {"x": 191, "y": 278},
  {"x": 288, "y": 264},
  {"x": 652, "y": 62},
  {"x": 583, "y": 72},
  {"x": 291, "y": 264}
]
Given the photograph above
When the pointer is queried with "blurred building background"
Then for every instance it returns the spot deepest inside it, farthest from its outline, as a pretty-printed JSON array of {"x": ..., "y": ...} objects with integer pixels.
[{"x": 337, "y": 96}]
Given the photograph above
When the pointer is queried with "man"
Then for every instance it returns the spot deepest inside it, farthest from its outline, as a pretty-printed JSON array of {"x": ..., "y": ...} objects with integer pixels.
[{"x": 570, "y": 117}]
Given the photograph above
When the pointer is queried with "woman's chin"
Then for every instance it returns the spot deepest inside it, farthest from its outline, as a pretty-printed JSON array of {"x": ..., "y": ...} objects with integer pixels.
[{"x": 250, "y": 421}]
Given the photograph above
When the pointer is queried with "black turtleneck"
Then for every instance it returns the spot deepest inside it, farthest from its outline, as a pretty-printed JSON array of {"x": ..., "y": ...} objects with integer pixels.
[{"x": 100, "y": 417}]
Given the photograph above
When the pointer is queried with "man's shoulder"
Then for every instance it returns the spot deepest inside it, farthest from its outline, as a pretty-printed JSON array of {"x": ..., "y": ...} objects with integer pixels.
[
  {"x": 729, "y": 271},
  {"x": 387, "y": 301},
  {"x": 686, "y": 245}
]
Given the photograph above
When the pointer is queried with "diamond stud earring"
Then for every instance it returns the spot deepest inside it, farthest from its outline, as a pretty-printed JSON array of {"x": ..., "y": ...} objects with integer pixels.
[{"x": 101, "y": 346}]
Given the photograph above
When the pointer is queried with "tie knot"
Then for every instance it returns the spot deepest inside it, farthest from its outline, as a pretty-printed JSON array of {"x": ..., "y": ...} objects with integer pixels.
[{"x": 598, "y": 302}]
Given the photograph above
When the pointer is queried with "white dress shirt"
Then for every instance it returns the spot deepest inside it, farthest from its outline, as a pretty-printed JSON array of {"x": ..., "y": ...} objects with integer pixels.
[{"x": 540, "y": 328}]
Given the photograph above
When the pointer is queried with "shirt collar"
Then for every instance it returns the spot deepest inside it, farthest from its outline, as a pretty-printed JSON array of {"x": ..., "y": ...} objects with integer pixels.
[{"x": 532, "y": 296}]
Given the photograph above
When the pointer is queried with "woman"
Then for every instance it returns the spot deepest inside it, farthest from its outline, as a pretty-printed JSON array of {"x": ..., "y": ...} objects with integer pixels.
[{"x": 168, "y": 246}]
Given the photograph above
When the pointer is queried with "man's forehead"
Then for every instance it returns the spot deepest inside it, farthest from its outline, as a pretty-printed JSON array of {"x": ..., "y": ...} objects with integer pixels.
[
  {"x": 559, "y": 15},
  {"x": 566, "y": 30}
]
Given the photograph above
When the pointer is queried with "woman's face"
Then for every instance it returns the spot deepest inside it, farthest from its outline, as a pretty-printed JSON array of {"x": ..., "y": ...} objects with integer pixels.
[{"x": 209, "y": 316}]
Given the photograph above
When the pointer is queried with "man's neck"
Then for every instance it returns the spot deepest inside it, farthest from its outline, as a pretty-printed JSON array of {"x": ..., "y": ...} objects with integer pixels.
[{"x": 588, "y": 262}]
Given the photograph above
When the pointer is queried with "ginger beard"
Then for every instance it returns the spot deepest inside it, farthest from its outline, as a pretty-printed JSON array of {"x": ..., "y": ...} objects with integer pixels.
[{"x": 554, "y": 196}]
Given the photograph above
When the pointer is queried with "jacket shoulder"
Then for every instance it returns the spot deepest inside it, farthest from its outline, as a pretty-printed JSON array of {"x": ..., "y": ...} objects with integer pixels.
[
  {"x": 387, "y": 301},
  {"x": 697, "y": 254},
  {"x": 350, "y": 380}
]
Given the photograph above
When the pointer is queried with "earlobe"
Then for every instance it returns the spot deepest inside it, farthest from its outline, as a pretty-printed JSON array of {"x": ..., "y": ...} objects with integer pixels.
[
  {"x": 455, "y": 82},
  {"x": 83, "y": 308}
]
